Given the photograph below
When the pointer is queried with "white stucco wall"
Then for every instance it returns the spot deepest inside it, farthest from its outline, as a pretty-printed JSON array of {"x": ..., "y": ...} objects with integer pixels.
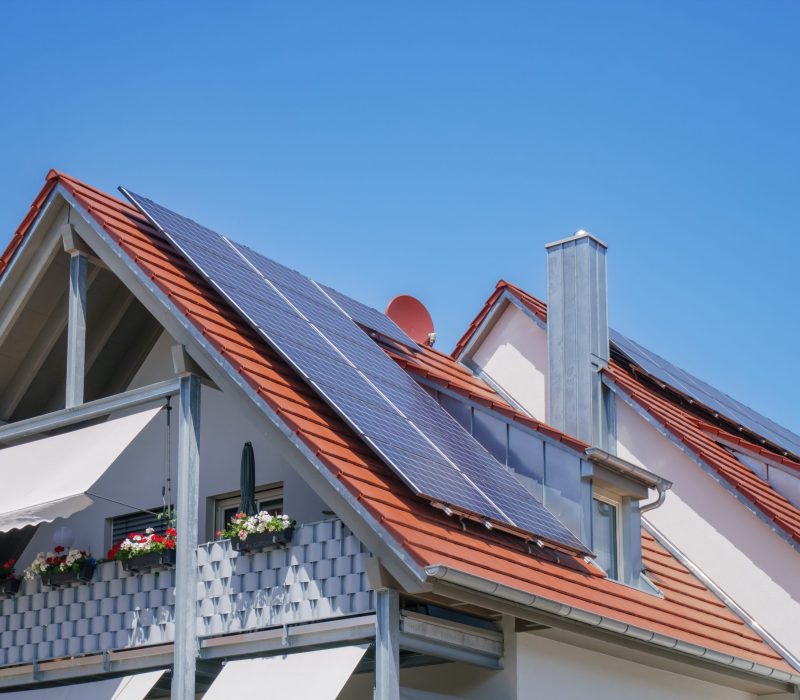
[
  {"x": 544, "y": 669},
  {"x": 514, "y": 355},
  {"x": 726, "y": 540},
  {"x": 227, "y": 422}
]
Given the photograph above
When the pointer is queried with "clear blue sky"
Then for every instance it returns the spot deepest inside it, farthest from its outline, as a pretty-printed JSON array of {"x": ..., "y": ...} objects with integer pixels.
[{"x": 435, "y": 147}]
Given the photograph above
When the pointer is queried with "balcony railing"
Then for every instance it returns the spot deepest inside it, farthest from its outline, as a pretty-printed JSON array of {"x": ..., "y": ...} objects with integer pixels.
[{"x": 320, "y": 576}]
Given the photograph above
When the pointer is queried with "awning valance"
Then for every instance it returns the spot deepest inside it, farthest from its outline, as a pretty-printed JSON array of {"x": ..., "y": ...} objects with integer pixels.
[
  {"x": 48, "y": 478},
  {"x": 134, "y": 687},
  {"x": 319, "y": 674}
]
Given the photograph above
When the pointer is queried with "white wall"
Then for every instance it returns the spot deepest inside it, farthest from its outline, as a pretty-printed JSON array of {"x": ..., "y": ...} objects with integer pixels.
[
  {"x": 543, "y": 669},
  {"x": 550, "y": 669},
  {"x": 725, "y": 539},
  {"x": 226, "y": 423},
  {"x": 514, "y": 355}
]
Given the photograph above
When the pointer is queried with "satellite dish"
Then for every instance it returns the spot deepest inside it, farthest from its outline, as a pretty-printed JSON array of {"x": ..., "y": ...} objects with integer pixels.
[{"x": 412, "y": 316}]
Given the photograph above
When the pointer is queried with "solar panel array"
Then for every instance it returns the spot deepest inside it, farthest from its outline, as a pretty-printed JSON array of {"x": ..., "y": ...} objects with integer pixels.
[
  {"x": 305, "y": 323},
  {"x": 698, "y": 390}
]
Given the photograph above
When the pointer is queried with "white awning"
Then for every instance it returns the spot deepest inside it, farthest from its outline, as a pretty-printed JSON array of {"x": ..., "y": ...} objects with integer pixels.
[
  {"x": 127, "y": 688},
  {"x": 317, "y": 674},
  {"x": 48, "y": 478}
]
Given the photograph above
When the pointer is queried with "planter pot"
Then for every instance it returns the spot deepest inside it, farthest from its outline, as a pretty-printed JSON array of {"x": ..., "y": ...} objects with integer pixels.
[
  {"x": 263, "y": 540},
  {"x": 150, "y": 561},
  {"x": 66, "y": 578},
  {"x": 9, "y": 586}
]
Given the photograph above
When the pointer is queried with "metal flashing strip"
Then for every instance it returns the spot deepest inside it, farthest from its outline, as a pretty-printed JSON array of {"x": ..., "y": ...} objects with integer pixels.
[
  {"x": 626, "y": 468},
  {"x": 790, "y": 658},
  {"x": 561, "y": 610},
  {"x": 713, "y": 473}
]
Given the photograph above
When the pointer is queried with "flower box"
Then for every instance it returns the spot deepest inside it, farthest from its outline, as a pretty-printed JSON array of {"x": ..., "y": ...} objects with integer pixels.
[
  {"x": 66, "y": 578},
  {"x": 9, "y": 586},
  {"x": 141, "y": 563},
  {"x": 256, "y": 541}
]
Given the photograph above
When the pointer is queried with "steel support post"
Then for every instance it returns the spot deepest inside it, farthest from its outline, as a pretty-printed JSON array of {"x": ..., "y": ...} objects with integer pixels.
[
  {"x": 387, "y": 645},
  {"x": 76, "y": 328},
  {"x": 186, "y": 646}
]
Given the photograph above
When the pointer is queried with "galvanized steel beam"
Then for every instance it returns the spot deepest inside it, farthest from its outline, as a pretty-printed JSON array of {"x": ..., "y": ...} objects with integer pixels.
[
  {"x": 387, "y": 645},
  {"x": 76, "y": 328},
  {"x": 186, "y": 644}
]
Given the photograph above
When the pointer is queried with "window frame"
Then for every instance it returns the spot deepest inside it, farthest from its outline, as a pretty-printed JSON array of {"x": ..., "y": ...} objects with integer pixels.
[{"x": 222, "y": 502}]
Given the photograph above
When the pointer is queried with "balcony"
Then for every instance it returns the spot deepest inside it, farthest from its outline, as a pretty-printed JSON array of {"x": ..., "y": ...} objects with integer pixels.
[{"x": 320, "y": 576}]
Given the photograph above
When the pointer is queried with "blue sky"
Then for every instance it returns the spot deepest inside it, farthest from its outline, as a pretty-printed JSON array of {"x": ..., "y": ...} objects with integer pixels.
[{"x": 433, "y": 148}]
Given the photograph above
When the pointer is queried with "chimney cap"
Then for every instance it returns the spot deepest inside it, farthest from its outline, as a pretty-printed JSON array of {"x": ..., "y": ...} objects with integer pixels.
[{"x": 581, "y": 233}]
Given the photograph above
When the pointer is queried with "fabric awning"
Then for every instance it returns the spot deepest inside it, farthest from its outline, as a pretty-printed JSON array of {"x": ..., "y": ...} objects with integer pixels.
[
  {"x": 48, "y": 478},
  {"x": 134, "y": 687},
  {"x": 319, "y": 674}
]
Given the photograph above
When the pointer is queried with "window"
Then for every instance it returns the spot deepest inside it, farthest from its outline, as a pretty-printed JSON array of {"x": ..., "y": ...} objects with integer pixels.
[
  {"x": 225, "y": 507},
  {"x": 139, "y": 521},
  {"x": 606, "y": 533}
]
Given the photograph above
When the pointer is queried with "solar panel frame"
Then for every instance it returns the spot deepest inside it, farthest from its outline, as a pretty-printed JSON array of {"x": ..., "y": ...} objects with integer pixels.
[
  {"x": 705, "y": 394},
  {"x": 447, "y": 468}
]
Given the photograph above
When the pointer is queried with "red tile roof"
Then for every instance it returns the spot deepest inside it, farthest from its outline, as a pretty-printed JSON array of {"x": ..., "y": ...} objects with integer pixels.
[
  {"x": 692, "y": 425},
  {"x": 688, "y": 611}
]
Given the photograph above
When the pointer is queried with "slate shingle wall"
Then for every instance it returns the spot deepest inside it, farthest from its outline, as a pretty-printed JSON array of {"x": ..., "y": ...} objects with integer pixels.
[{"x": 321, "y": 575}]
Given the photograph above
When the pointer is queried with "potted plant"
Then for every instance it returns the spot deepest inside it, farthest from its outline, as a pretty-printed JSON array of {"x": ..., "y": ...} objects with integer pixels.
[
  {"x": 9, "y": 583},
  {"x": 61, "y": 567},
  {"x": 263, "y": 530},
  {"x": 146, "y": 552}
]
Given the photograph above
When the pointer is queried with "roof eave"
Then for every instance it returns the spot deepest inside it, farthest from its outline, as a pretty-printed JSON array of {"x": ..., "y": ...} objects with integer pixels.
[{"x": 547, "y": 606}]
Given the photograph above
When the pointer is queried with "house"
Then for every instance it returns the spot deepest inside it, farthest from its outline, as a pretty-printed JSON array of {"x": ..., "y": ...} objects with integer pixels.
[
  {"x": 733, "y": 512},
  {"x": 141, "y": 351}
]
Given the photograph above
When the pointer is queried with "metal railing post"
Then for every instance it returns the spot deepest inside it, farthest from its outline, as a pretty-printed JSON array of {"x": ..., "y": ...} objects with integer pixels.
[{"x": 186, "y": 646}]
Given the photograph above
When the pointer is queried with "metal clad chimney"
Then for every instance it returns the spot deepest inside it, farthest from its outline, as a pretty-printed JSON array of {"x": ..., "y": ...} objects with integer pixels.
[{"x": 577, "y": 335}]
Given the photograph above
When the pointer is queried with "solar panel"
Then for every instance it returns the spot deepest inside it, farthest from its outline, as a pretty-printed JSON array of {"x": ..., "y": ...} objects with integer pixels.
[
  {"x": 418, "y": 439},
  {"x": 367, "y": 316},
  {"x": 703, "y": 393}
]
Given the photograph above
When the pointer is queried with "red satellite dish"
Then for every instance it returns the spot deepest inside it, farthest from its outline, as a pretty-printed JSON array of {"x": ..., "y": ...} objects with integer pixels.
[{"x": 412, "y": 316}]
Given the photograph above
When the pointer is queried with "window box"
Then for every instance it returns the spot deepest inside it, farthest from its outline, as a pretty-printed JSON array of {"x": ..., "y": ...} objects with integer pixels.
[
  {"x": 9, "y": 586},
  {"x": 66, "y": 578},
  {"x": 143, "y": 563},
  {"x": 257, "y": 541}
]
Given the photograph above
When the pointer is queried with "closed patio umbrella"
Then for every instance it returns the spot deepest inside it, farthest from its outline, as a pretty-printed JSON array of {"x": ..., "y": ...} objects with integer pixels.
[{"x": 247, "y": 503}]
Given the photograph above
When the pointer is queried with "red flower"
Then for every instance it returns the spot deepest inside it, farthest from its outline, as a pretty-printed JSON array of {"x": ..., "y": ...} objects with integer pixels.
[
  {"x": 219, "y": 534},
  {"x": 58, "y": 549},
  {"x": 132, "y": 535},
  {"x": 171, "y": 532},
  {"x": 11, "y": 562},
  {"x": 169, "y": 544},
  {"x": 6, "y": 566}
]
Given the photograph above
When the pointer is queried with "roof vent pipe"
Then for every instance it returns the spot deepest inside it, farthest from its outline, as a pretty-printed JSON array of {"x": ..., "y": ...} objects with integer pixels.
[{"x": 577, "y": 335}]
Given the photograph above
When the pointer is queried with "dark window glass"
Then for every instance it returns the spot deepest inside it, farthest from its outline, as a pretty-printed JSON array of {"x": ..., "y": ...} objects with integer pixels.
[
  {"x": 491, "y": 433},
  {"x": 562, "y": 486},
  {"x": 458, "y": 409},
  {"x": 124, "y": 525},
  {"x": 526, "y": 458}
]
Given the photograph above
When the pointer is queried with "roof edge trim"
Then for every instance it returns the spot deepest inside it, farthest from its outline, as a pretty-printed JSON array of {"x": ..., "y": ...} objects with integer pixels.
[
  {"x": 698, "y": 573},
  {"x": 669, "y": 435},
  {"x": 545, "y": 605}
]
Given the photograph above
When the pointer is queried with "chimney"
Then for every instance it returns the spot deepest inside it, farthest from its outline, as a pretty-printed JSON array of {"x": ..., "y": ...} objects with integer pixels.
[{"x": 577, "y": 336}]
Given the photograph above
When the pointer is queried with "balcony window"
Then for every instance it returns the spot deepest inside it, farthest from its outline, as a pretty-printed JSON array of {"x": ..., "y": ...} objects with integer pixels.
[
  {"x": 123, "y": 525},
  {"x": 225, "y": 507}
]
